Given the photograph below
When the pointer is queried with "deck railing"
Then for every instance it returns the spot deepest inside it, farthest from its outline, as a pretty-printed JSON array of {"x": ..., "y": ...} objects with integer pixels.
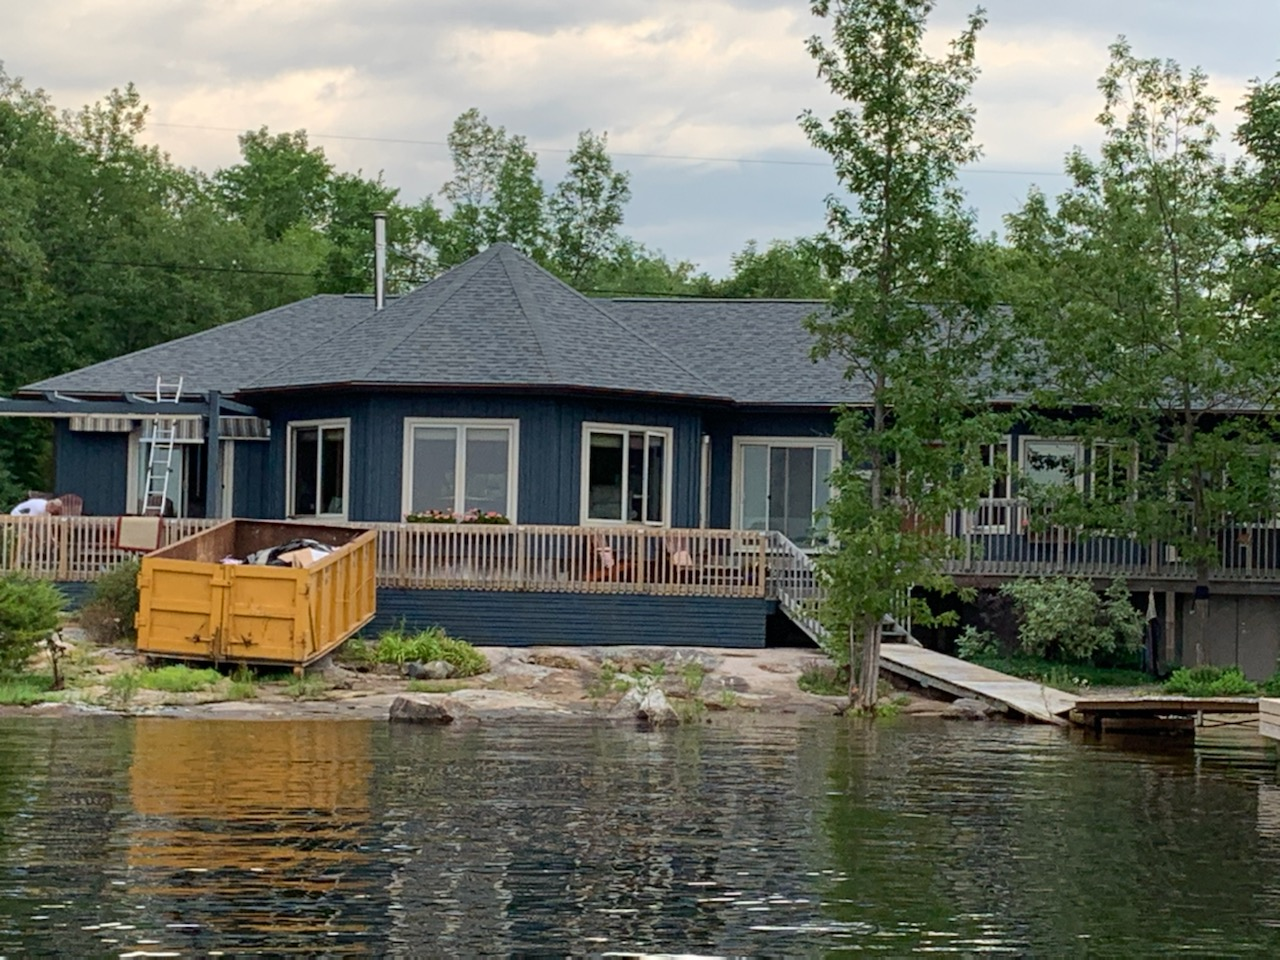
[
  {"x": 645, "y": 560},
  {"x": 1011, "y": 538}
]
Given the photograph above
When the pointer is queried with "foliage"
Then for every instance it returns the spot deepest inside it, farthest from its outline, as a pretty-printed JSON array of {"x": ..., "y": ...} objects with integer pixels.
[
  {"x": 606, "y": 681},
  {"x": 178, "y": 678},
  {"x": 791, "y": 270},
  {"x": 910, "y": 314},
  {"x": 586, "y": 210},
  {"x": 306, "y": 686},
  {"x": 242, "y": 690},
  {"x": 124, "y": 686},
  {"x": 29, "y": 612},
  {"x": 449, "y": 516},
  {"x": 356, "y": 650},
  {"x": 1065, "y": 620},
  {"x": 107, "y": 619},
  {"x": 1064, "y": 676},
  {"x": 1271, "y": 686},
  {"x": 401, "y": 647},
  {"x": 436, "y": 686},
  {"x": 1144, "y": 285},
  {"x": 824, "y": 678},
  {"x": 974, "y": 643},
  {"x": 692, "y": 676},
  {"x": 24, "y": 691},
  {"x": 1208, "y": 681}
]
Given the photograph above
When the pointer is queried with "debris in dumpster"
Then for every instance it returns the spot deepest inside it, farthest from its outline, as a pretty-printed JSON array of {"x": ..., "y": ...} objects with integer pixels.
[
  {"x": 303, "y": 557},
  {"x": 276, "y": 556}
]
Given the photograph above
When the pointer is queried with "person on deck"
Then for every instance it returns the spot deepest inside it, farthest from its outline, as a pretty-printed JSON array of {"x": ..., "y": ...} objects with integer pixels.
[{"x": 36, "y": 507}]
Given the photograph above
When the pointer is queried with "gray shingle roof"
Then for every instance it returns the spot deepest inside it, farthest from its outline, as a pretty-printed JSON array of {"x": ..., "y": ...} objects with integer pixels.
[
  {"x": 756, "y": 351},
  {"x": 497, "y": 320},
  {"x": 223, "y": 358}
]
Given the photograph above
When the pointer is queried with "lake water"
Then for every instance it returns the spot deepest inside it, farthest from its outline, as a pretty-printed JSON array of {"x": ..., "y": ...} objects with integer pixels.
[{"x": 191, "y": 838}]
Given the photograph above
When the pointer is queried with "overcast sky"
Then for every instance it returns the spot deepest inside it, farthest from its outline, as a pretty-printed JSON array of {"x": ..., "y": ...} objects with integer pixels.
[{"x": 665, "y": 78}]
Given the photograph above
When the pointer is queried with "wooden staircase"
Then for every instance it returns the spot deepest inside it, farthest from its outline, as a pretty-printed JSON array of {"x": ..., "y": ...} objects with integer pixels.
[{"x": 792, "y": 580}]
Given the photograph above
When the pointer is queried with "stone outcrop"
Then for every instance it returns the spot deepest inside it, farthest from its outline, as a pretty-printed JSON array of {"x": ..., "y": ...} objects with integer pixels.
[
  {"x": 968, "y": 709},
  {"x": 648, "y": 706},
  {"x": 486, "y": 706}
]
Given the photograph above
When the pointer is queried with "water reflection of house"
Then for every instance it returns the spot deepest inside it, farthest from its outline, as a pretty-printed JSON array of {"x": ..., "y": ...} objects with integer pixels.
[{"x": 256, "y": 831}]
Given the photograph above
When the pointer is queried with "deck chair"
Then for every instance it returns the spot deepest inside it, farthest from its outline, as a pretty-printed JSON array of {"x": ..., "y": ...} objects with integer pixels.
[
  {"x": 605, "y": 564},
  {"x": 72, "y": 504}
]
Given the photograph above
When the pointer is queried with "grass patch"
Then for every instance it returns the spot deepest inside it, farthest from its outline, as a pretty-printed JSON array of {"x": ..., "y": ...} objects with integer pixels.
[
  {"x": 242, "y": 690},
  {"x": 306, "y": 687},
  {"x": 825, "y": 679},
  {"x": 1210, "y": 682},
  {"x": 25, "y": 690},
  {"x": 1071, "y": 677},
  {"x": 400, "y": 647},
  {"x": 178, "y": 678}
]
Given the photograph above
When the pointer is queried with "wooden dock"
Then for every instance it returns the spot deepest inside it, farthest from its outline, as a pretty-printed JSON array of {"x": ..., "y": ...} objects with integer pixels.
[
  {"x": 1269, "y": 718},
  {"x": 1163, "y": 714},
  {"x": 963, "y": 679}
]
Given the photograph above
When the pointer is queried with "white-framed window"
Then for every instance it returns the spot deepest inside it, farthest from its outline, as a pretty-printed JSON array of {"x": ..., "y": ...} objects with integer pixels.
[
  {"x": 460, "y": 465},
  {"x": 784, "y": 484},
  {"x": 992, "y": 515},
  {"x": 1051, "y": 462},
  {"x": 626, "y": 474},
  {"x": 318, "y": 469}
]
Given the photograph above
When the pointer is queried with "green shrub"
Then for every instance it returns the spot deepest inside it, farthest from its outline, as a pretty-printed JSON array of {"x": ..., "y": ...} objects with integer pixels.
[
  {"x": 356, "y": 650},
  {"x": 399, "y": 647},
  {"x": 1064, "y": 619},
  {"x": 29, "y": 612},
  {"x": 242, "y": 690},
  {"x": 307, "y": 686},
  {"x": 107, "y": 619},
  {"x": 827, "y": 679},
  {"x": 1271, "y": 686},
  {"x": 178, "y": 678},
  {"x": 974, "y": 643},
  {"x": 24, "y": 691},
  {"x": 1210, "y": 682}
]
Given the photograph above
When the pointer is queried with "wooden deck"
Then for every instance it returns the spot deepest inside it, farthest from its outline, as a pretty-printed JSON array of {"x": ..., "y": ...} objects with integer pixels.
[
  {"x": 963, "y": 679},
  {"x": 1269, "y": 718},
  {"x": 1161, "y": 714}
]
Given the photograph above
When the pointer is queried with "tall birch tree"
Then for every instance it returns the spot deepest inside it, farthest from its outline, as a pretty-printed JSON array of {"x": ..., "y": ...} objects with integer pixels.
[{"x": 910, "y": 315}]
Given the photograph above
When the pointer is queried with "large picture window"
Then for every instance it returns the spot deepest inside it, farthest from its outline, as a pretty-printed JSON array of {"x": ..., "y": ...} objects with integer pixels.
[
  {"x": 1051, "y": 462},
  {"x": 626, "y": 474},
  {"x": 317, "y": 475},
  {"x": 461, "y": 465},
  {"x": 784, "y": 484}
]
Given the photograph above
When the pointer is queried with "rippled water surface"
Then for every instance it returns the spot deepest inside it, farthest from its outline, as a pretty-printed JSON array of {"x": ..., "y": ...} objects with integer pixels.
[{"x": 192, "y": 838}]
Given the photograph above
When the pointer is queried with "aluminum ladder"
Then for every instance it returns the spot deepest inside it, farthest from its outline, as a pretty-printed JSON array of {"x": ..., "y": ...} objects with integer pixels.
[{"x": 163, "y": 437}]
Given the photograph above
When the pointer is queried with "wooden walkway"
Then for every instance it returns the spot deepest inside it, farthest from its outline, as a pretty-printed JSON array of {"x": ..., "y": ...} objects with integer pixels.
[{"x": 963, "y": 679}]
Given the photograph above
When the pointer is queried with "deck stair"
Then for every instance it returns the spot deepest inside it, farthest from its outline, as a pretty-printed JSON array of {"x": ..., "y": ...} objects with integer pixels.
[
  {"x": 960, "y": 678},
  {"x": 793, "y": 581}
]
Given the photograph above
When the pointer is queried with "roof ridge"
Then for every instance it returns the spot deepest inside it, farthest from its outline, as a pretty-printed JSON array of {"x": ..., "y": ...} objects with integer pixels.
[
  {"x": 534, "y": 316},
  {"x": 595, "y": 305}
]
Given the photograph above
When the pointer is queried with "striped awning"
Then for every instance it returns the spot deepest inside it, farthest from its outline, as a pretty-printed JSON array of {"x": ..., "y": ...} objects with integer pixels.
[
  {"x": 94, "y": 423},
  {"x": 244, "y": 428},
  {"x": 185, "y": 431}
]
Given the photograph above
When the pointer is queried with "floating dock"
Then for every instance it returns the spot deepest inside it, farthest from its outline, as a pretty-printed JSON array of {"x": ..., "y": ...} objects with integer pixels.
[
  {"x": 1164, "y": 714},
  {"x": 963, "y": 679}
]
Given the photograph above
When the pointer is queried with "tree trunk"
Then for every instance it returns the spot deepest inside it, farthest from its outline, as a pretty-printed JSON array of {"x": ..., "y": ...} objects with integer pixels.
[{"x": 869, "y": 668}]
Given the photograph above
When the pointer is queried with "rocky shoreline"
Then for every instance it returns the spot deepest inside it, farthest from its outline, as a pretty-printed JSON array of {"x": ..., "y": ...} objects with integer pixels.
[{"x": 546, "y": 683}]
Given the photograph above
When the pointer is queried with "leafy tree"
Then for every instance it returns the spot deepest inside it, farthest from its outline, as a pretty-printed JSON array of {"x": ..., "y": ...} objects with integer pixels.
[
  {"x": 495, "y": 191},
  {"x": 909, "y": 313},
  {"x": 791, "y": 270},
  {"x": 281, "y": 182},
  {"x": 1139, "y": 304},
  {"x": 586, "y": 209}
]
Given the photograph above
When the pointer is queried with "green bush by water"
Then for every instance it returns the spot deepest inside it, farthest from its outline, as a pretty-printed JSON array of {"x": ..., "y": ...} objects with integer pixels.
[
  {"x": 1211, "y": 682},
  {"x": 1064, "y": 620},
  {"x": 107, "y": 619},
  {"x": 1070, "y": 677},
  {"x": 30, "y": 611},
  {"x": 24, "y": 691},
  {"x": 401, "y": 647}
]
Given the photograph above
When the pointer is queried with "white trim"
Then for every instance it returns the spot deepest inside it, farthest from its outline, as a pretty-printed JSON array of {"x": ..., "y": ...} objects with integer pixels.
[
  {"x": 227, "y": 479},
  {"x": 625, "y": 430},
  {"x": 813, "y": 443},
  {"x": 292, "y": 427},
  {"x": 972, "y": 518},
  {"x": 704, "y": 485},
  {"x": 1077, "y": 480},
  {"x": 460, "y": 455}
]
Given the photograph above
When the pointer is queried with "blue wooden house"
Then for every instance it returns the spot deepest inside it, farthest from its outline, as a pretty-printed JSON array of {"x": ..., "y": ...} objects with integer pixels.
[{"x": 661, "y": 464}]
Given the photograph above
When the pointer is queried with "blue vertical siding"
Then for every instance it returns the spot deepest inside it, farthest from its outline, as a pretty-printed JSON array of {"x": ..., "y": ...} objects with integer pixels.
[
  {"x": 251, "y": 485},
  {"x": 94, "y": 465},
  {"x": 526, "y": 619}
]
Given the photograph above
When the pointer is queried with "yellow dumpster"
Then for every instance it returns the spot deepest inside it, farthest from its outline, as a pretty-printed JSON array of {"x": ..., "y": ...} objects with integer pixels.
[{"x": 195, "y": 602}]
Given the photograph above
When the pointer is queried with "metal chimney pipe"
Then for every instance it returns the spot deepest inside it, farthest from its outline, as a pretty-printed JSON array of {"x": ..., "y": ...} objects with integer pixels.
[{"x": 379, "y": 260}]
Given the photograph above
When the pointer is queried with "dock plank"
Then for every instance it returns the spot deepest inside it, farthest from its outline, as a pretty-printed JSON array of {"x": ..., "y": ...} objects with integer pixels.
[{"x": 961, "y": 678}]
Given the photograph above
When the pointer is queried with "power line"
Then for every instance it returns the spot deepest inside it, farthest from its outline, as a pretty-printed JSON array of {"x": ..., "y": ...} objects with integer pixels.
[
  {"x": 413, "y": 279},
  {"x": 683, "y": 158}
]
